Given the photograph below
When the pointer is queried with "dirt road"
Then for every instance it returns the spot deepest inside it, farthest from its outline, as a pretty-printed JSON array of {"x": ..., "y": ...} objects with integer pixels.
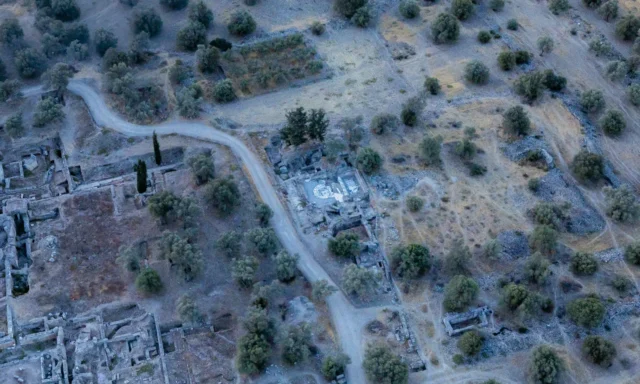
[{"x": 344, "y": 315}]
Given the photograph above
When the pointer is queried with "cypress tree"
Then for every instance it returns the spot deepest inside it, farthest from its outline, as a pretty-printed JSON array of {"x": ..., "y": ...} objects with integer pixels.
[
  {"x": 156, "y": 149},
  {"x": 295, "y": 131},
  {"x": 141, "y": 176}
]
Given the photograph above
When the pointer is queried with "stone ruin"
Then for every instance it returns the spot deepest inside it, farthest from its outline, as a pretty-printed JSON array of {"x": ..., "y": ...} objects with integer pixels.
[{"x": 458, "y": 323}]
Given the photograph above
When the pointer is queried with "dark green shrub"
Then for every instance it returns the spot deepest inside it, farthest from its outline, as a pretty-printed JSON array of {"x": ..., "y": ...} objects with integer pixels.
[
  {"x": 609, "y": 10},
  {"x": 513, "y": 295},
  {"x": 10, "y": 31},
  {"x": 223, "y": 195},
  {"x": 612, "y": 122},
  {"x": 621, "y": 204},
  {"x": 559, "y": 6},
  {"x": 241, "y": 23},
  {"x": 484, "y": 37},
  {"x": 588, "y": 166},
  {"x": 179, "y": 72},
  {"x": 429, "y": 150},
  {"x": 587, "y": 312},
  {"x": 414, "y": 203},
  {"x": 470, "y": 343},
  {"x": 445, "y": 29},
  {"x": 632, "y": 253},
  {"x": 534, "y": 184},
  {"x": 65, "y": 10},
  {"x": 592, "y": 3},
  {"x": 506, "y": 60},
  {"x": 466, "y": 149},
  {"x": 536, "y": 270},
  {"x": 318, "y": 28},
  {"x": 432, "y": 85},
  {"x": 410, "y": 111},
  {"x": 516, "y": 121},
  {"x": 512, "y": 25},
  {"x": 523, "y": 57},
  {"x": 104, "y": 40},
  {"x": 47, "y": 111},
  {"x": 345, "y": 245},
  {"x": 149, "y": 282},
  {"x": 543, "y": 239},
  {"x": 545, "y": 366},
  {"x": 459, "y": 292},
  {"x": 29, "y": 63},
  {"x": 207, "y": 58},
  {"x": 530, "y": 86},
  {"x": 496, "y": 5},
  {"x": 147, "y": 20},
  {"x": 368, "y": 160},
  {"x": 599, "y": 350},
  {"x": 554, "y": 82},
  {"x": 253, "y": 353},
  {"x": 174, "y": 4},
  {"x": 191, "y": 36},
  {"x": 348, "y": 8},
  {"x": 584, "y": 264},
  {"x": 627, "y": 27},
  {"x": 457, "y": 259},
  {"x": 334, "y": 365},
  {"x": 409, "y": 9},
  {"x": 383, "y": 122},
  {"x": 476, "y": 72},
  {"x": 462, "y": 9},
  {"x": 222, "y": 44},
  {"x": 13, "y": 126}
]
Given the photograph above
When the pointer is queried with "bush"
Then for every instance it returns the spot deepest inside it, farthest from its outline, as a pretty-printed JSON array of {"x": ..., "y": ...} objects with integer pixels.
[
  {"x": 138, "y": 48},
  {"x": 633, "y": 92},
  {"x": 513, "y": 295},
  {"x": 470, "y": 343},
  {"x": 613, "y": 123},
  {"x": 516, "y": 121},
  {"x": 599, "y": 350},
  {"x": 616, "y": 70},
  {"x": 182, "y": 255},
  {"x": 65, "y": 10},
  {"x": 459, "y": 292},
  {"x": 345, "y": 245},
  {"x": 583, "y": 263},
  {"x": 533, "y": 184},
  {"x": 368, "y": 160},
  {"x": 222, "y": 44},
  {"x": 609, "y": 10},
  {"x": 223, "y": 195},
  {"x": 189, "y": 100},
  {"x": 114, "y": 57},
  {"x": 411, "y": 110},
  {"x": 543, "y": 239},
  {"x": 587, "y": 312},
  {"x": 414, "y": 203},
  {"x": 47, "y": 111},
  {"x": 432, "y": 85},
  {"x": 600, "y": 46},
  {"x": 496, "y": 5},
  {"x": 530, "y": 86},
  {"x": 334, "y": 365},
  {"x": 29, "y": 63},
  {"x": 484, "y": 37},
  {"x": 359, "y": 280},
  {"x": 621, "y": 283},
  {"x": 318, "y": 28},
  {"x": 554, "y": 82},
  {"x": 536, "y": 270},
  {"x": 506, "y": 60},
  {"x": 548, "y": 214},
  {"x": 168, "y": 207},
  {"x": 445, "y": 29},
  {"x": 147, "y": 20},
  {"x": 621, "y": 204},
  {"x": 429, "y": 150},
  {"x": 587, "y": 166},
  {"x": 187, "y": 309},
  {"x": 10, "y": 31},
  {"x": 13, "y": 126},
  {"x": 492, "y": 250},
  {"x": 58, "y": 76},
  {"x": 383, "y": 122},
  {"x": 559, "y": 6},
  {"x": 244, "y": 270},
  {"x": 627, "y": 27},
  {"x": 409, "y": 9},
  {"x": 592, "y": 3},
  {"x": 207, "y": 58},
  {"x": 199, "y": 12},
  {"x": 632, "y": 253},
  {"x": 149, "y": 282},
  {"x": 263, "y": 214},
  {"x": 174, "y": 4},
  {"x": 179, "y": 72},
  {"x": 8, "y": 89},
  {"x": 348, "y": 8},
  {"x": 51, "y": 46},
  {"x": 410, "y": 262},
  {"x": 321, "y": 289},
  {"x": 241, "y": 23},
  {"x": 545, "y": 366},
  {"x": 476, "y": 72},
  {"x": 512, "y": 25},
  {"x": 296, "y": 343},
  {"x": 383, "y": 366},
  {"x": 362, "y": 17},
  {"x": 462, "y": 9},
  {"x": 223, "y": 91},
  {"x": 466, "y": 149},
  {"x": 523, "y": 57},
  {"x": 592, "y": 101},
  {"x": 191, "y": 36},
  {"x": 104, "y": 40},
  {"x": 286, "y": 266}
]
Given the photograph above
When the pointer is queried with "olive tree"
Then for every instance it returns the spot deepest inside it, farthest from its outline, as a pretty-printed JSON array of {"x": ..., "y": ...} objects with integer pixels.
[
  {"x": 65, "y": 10},
  {"x": 359, "y": 280},
  {"x": 229, "y": 243},
  {"x": 612, "y": 122},
  {"x": 633, "y": 93},
  {"x": 10, "y": 31},
  {"x": 530, "y": 85},
  {"x": 223, "y": 195},
  {"x": 476, "y": 72},
  {"x": 587, "y": 312},
  {"x": 241, "y": 23},
  {"x": 445, "y": 29},
  {"x": 432, "y": 85},
  {"x": 545, "y": 366},
  {"x": 199, "y": 12},
  {"x": 516, "y": 121},
  {"x": 599, "y": 350},
  {"x": 627, "y": 27},
  {"x": 409, "y": 9},
  {"x": 462, "y": 9},
  {"x": 411, "y": 261},
  {"x": 369, "y": 161},
  {"x": 506, "y": 60},
  {"x": 202, "y": 167},
  {"x": 334, "y": 365},
  {"x": 191, "y": 36},
  {"x": 321, "y": 289},
  {"x": 543, "y": 239},
  {"x": 457, "y": 259},
  {"x": 207, "y": 58},
  {"x": 459, "y": 292},
  {"x": 253, "y": 354},
  {"x": 384, "y": 367},
  {"x": 286, "y": 266},
  {"x": 149, "y": 282},
  {"x": 14, "y": 126},
  {"x": 244, "y": 270},
  {"x": 47, "y": 111},
  {"x": 545, "y": 45},
  {"x": 592, "y": 101},
  {"x": 609, "y": 10},
  {"x": 429, "y": 150},
  {"x": 223, "y": 91},
  {"x": 536, "y": 269},
  {"x": 470, "y": 343},
  {"x": 174, "y": 4},
  {"x": 182, "y": 255},
  {"x": 30, "y": 63},
  {"x": 57, "y": 77},
  {"x": 346, "y": 245},
  {"x": 496, "y": 5},
  {"x": 103, "y": 40},
  {"x": 588, "y": 166},
  {"x": 166, "y": 206},
  {"x": 264, "y": 240},
  {"x": 296, "y": 343},
  {"x": 147, "y": 20},
  {"x": 559, "y": 6},
  {"x": 348, "y": 8},
  {"x": 187, "y": 309},
  {"x": 383, "y": 122},
  {"x": 632, "y": 253}
]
